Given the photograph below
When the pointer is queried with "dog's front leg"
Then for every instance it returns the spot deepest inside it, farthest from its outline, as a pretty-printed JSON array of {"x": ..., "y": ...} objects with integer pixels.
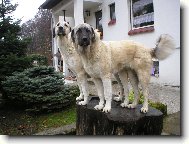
[
  {"x": 81, "y": 96},
  {"x": 107, "y": 84},
  {"x": 100, "y": 91},
  {"x": 82, "y": 79}
]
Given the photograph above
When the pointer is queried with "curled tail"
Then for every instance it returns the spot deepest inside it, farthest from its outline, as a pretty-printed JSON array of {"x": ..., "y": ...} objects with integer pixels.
[{"x": 165, "y": 46}]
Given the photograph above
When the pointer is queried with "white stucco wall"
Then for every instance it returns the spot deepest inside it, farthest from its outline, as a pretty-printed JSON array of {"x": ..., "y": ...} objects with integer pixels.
[{"x": 166, "y": 20}]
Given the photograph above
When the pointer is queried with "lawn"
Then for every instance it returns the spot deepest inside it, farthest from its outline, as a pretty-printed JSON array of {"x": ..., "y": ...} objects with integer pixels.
[{"x": 17, "y": 122}]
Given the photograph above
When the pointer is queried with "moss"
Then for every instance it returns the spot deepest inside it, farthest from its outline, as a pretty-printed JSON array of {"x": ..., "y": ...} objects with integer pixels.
[{"x": 157, "y": 105}]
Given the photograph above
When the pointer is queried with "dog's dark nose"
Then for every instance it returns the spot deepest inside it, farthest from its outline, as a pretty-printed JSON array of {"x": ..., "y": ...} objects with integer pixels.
[
  {"x": 84, "y": 39},
  {"x": 60, "y": 28}
]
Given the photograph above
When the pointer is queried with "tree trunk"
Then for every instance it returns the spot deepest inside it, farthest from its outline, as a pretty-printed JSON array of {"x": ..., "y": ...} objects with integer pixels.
[{"x": 120, "y": 121}]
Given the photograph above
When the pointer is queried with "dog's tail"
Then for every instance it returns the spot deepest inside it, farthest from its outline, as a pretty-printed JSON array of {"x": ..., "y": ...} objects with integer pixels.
[{"x": 165, "y": 46}]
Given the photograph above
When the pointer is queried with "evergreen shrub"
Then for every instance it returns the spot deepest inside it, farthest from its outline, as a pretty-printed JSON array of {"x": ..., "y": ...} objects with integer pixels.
[{"x": 39, "y": 89}]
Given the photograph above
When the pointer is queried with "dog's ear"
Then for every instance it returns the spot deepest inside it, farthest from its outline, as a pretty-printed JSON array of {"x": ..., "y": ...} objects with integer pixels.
[
  {"x": 72, "y": 36},
  {"x": 54, "y": 32},
  {"x": 93, "y": 34}
]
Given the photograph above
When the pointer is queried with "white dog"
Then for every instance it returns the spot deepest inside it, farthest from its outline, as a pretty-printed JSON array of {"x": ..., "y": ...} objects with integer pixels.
[
  {"x": 72, "y": 59},
  {"x": 101, "y": 59}
]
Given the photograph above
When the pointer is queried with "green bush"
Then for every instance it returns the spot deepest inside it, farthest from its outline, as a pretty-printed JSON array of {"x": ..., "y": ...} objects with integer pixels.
[
  {"x": 41, "y": 59},
  {"x": 12, "y": 63},
  {"x": 39, "y": 89},
  {"x": 13, "y": 48}
]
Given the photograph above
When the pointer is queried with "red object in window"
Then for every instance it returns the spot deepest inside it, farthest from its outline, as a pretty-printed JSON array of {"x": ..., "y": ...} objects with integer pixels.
[
  {"x": 112, "y": 22},
  {"x": 141, "y": 30}
]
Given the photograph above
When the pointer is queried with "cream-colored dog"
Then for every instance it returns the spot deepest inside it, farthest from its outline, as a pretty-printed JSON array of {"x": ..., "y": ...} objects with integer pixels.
[
  {"x": 101, "y": 59},
  {"x": 72, "y": 59}
]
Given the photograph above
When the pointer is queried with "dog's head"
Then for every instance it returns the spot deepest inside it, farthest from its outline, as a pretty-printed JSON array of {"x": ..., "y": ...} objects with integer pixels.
[
  {"x": 62, "y": 28},
  {"x": 83, "y": 36}
]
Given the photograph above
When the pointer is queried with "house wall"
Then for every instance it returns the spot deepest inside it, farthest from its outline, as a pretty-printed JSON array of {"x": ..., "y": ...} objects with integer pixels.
[{"x": 166, "y": 20}]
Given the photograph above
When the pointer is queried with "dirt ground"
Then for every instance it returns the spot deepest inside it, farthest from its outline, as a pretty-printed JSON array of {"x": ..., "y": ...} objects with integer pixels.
[{"x": 16, "y": 122}]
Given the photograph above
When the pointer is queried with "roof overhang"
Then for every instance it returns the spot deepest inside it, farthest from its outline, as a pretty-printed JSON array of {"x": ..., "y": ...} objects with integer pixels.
[
  {"x": 49, "y": 4},
  {"x": 57, "y": 6}
]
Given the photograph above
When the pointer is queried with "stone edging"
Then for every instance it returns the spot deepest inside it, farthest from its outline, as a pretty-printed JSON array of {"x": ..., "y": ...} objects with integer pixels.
[{"x": 64, "y": 130}]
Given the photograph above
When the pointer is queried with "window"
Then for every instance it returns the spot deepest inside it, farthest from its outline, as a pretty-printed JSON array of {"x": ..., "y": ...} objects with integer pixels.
[
  {"x": 112, "y": 11},
  {"x": 98, "y": 15},
  {"x": 142, "y": 15},
  {"x": 112, "y": 14},
  {"x": 155, "y": 68}
]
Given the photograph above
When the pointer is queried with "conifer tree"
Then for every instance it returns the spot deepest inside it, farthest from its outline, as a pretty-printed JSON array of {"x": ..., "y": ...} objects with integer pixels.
[{"x": 12, "y": 46}]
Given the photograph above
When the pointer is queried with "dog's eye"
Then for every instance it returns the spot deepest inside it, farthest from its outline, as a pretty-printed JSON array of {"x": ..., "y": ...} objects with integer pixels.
[
  {"x": 79, "y": 30},
  {"x": 88, "y": 30},
  {"x": 66, "y": 25},
  {"x": 58, "y": 24}
]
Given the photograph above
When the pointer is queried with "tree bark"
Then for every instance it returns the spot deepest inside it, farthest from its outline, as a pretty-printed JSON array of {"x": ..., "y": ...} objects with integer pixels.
[{"x": 120, "y": 121}]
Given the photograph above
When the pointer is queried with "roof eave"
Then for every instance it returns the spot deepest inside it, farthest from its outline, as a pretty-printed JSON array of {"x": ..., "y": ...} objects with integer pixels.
[{"x": 49, "y": 4}]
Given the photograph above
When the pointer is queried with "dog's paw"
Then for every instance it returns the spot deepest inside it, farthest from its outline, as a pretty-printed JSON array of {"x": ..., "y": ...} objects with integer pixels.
[
  {"x": 79, "y": 98},
  {"x": 106, "y": 109},
  {"x": 82, "y": 103},
  {"x": 124, "y": 104},
  {"x": 117, "y": 99},
  {"x": 131, "y": 106},
  {"x": 98, "y": 107},
  {"x": 144, "y": 110}
]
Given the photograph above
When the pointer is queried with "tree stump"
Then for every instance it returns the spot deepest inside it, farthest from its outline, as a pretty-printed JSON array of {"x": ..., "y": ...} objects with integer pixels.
[{"x": 120, "y": 121}]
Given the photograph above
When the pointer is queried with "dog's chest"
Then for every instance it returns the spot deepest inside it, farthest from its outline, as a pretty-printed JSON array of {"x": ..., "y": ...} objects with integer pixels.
[
  {"x": 92, "y": 69},
  {"x": 73, "y": 62}
]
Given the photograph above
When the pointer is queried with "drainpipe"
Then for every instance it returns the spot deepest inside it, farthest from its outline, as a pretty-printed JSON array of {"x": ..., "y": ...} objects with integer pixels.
[{"x": 64, "y": 11}]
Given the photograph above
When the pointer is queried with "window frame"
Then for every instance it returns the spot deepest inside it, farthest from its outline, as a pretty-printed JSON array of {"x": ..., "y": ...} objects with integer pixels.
[
  {"x": 111, "y": 8},
  {"x": 132, "y": 18},
  {"x": 97, "y": 23},
  {"x": 112, "y": 5}
]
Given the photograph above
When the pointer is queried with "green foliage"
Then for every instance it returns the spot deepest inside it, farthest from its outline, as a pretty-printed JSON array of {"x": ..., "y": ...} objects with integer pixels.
[
  {"x": 11, "y": 63},
  {"x": 39, "y": 89},
  {"x": 157, "y": 105},
  {"x": 12, "y": 46},
  {"x": 41, "y": 59}
]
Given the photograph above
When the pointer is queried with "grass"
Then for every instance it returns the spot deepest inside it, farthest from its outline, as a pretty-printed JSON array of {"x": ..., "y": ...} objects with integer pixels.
[
  {"x": 20, "y": 123},
  {"x": 56, "y": 119}
]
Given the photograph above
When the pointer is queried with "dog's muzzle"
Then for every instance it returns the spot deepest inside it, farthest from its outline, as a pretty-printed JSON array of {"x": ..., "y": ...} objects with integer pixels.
[
  {"x": 84, "y": 42},
  {"x": 61, "y": 31}
]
